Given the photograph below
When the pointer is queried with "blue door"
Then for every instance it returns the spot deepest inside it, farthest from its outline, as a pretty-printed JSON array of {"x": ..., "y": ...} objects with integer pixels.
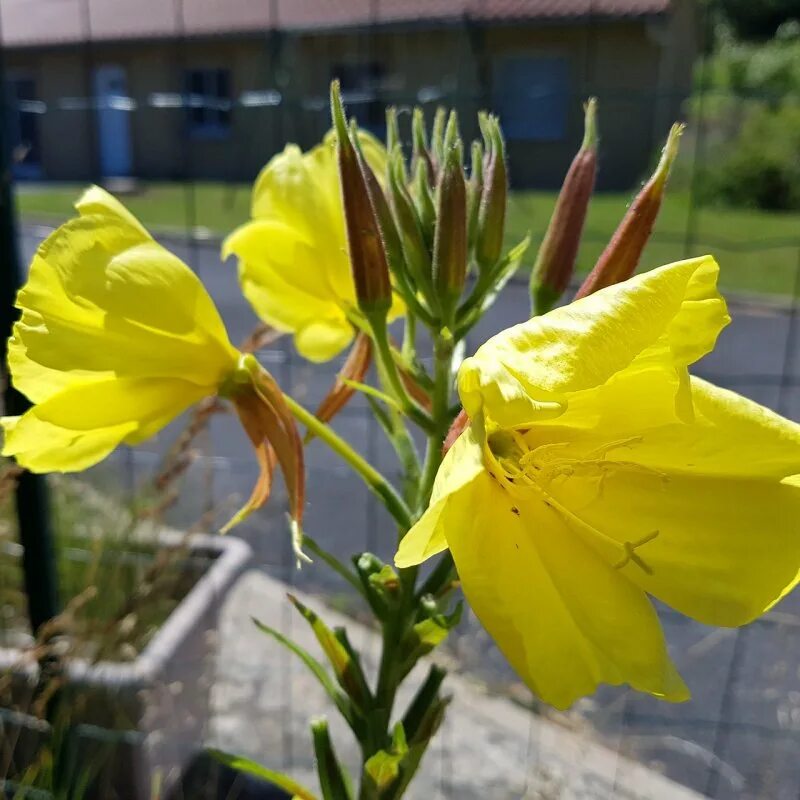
[{"x": 114, "y": 109}]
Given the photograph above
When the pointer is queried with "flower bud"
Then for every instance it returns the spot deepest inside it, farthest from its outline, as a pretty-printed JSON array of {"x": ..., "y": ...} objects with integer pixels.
[
  {"x": 450, "y": 245},
  {"x": 437, "y": 138},
  {"x": 555, "y": 262},
  {"x": 367, "y": 252},
  {"x": 420, "y": 152},
  {"x": 392, "y": 131},
  {"x": 492, "y": 211},
  {"x": 416, "y": 254},
  {"x": 423, "y": 200},
  {"x": 474, "y": 192},
  {"x": 621, "y": 256}
]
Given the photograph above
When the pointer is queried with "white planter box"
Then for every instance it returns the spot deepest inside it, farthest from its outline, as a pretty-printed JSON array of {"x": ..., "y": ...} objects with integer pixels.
[{"x": 140, "y": 722}]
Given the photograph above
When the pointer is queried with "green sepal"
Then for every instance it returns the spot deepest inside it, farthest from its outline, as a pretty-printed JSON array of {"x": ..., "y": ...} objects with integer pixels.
[{"x": 295, "y": 789}]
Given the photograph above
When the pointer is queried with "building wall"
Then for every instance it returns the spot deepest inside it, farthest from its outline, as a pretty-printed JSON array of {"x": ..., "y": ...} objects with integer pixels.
[{"x": 638, "y": 70}]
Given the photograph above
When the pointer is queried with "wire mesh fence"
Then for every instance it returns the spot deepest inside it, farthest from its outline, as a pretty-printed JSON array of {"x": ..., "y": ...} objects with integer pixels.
[{"x": 184, "y": 123}]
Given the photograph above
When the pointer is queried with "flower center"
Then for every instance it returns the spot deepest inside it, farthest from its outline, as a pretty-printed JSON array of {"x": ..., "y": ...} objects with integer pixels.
[{"x": 521, "y": 465}]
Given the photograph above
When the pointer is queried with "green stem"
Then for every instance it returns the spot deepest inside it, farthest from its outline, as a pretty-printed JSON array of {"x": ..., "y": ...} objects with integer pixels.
[
  {"x": 442, "y": 379},
  {"x": 386, "y": 363},
  {"x": 374, "y": 480}
]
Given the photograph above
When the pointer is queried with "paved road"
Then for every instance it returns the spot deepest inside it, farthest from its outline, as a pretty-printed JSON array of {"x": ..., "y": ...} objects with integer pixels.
[{"x": 738, "y": 739}]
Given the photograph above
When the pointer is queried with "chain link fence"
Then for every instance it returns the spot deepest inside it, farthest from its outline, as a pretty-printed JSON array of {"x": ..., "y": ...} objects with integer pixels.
[{"x": 740, "y": 735}]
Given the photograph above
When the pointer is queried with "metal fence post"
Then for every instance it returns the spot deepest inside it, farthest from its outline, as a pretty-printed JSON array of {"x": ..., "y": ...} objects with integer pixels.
[{"x": 39, "y": 566}]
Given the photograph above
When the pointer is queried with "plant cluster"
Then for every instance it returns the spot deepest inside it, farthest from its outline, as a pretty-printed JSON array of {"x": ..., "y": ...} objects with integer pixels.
[{"x": 573, "y": 468}]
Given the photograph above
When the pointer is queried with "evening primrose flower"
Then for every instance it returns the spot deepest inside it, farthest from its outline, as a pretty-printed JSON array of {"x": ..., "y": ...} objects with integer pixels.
[
  {"x": 116, "y": 338},
  {"x": 293, "y": 263},
  {"x": 595, "y": 472}
]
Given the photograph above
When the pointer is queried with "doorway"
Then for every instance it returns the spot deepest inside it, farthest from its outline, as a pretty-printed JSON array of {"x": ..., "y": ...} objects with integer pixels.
[{"x": 114, "y": 108}]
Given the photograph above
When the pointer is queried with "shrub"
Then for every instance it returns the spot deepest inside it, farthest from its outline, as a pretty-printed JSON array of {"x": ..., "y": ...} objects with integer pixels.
[{"x": 761, "y": 168}]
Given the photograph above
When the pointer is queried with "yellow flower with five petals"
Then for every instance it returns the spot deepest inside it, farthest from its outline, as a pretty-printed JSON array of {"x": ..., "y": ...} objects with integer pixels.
[
  {"x": 116, "y": 338},
  {"x": 596, "y": 472},
  {"x": 293, "y": 263}
]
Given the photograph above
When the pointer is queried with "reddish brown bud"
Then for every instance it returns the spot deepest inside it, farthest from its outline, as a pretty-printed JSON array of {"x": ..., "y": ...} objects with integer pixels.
[
  {"x": 364, "y": 242},
  {"x": 621, "y": 256},
  {"x": 555, "y": 261}
]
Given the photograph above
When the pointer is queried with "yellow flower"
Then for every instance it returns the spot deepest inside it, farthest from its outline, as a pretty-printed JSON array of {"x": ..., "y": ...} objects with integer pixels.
[
  {"x": 596, "y": 472},
  {"x": 117, "y": 337},
  {"x": 293, "y": 263}
]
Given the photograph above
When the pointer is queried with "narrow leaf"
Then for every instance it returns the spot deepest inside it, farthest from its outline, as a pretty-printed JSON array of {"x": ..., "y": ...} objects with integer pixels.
[
  {"x": 319, "y": 672},
  {"x": 278, "y": 779},
  {"x": 348, "y": 671},
  {"x": 333, "y": 780}
]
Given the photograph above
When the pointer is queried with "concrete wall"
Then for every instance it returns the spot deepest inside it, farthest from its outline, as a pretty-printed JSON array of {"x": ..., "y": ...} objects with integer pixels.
[{"x": 639, "y": 70}]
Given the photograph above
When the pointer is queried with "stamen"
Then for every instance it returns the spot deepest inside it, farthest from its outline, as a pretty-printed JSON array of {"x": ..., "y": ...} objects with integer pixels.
[{"x": 632, "y": 556}]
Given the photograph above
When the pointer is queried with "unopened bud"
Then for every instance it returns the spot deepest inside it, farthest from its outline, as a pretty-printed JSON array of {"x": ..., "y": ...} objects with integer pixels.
[
  {"x": 365, "y": 245},
  {"x": 420, "y": 152},
  {"x": 392, "y": 130},
  {"x": 555, "y": 262},
  {"x": 424, "y": 202},
  {"x": 416, "y": 254},
  {"x": 621, "y": 256},
  {"x": 437, "y": 138},
  {"x": 492, "y": 211},
  {"x": 474, "y": 192},
  {"x": 450, "y": 246}
]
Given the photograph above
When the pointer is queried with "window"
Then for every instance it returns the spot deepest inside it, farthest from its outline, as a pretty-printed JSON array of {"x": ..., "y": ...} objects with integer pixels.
[
  {"x": 361, "y": 85},
  {"x": 208, "y": 102},
  {"x": 25, "y": 111},
  {"x": 531, "y": 96}
]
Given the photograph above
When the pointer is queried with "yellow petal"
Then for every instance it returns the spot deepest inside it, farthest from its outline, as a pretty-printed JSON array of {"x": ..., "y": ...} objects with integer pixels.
[
  {"x": 273, "y": 255},
  {"x": 42, "y": 447},
  {"x": 663, "y": 320},
  {"x": 104, "y": 298},
  {"x": 461, "y": 465},
  {"x": 80, "y": 425},
  {"x": 301, "y": 190},
  {"x": 565, "y": 620},
  {"x": 719, "y": 549},
  {"x": 323, "y": 340},
  {"x": 97, "y": 201}
]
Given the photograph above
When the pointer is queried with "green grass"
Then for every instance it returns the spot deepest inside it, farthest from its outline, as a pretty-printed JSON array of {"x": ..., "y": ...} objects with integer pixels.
[{"x": 758, "y": 251}]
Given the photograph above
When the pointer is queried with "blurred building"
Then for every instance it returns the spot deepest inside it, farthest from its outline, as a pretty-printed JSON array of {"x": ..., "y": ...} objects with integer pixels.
[{"x": 169, "y": 89}]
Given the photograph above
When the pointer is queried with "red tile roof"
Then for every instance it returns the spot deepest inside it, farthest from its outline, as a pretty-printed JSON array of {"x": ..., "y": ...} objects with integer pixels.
[{"x": 38, "y": 22}]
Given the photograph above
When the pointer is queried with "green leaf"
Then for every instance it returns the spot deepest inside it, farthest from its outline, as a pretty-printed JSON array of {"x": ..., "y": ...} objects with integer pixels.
[
  {"x": 339, "y": 698},
  {"x": 371, "y": 391},
  {"x": 346, "y": 668},
  {"x": 278, "y": 779},
  {"x": 333, "y": 563},
  {"x": 334, "y": 781},
  {"x": 427, "y": 694}
]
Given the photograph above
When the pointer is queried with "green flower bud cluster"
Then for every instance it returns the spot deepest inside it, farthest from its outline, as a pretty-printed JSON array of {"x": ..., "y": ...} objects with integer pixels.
[{"x": 440, "y": 226}]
